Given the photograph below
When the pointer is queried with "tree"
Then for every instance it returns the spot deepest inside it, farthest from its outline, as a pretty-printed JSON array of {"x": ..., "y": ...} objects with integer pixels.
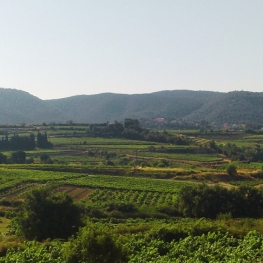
[
  {"x": 18, "y": 157},
  {"x": 202, "y": 201},
  {"x": 231, "y": 169},
  {"x": 42, "y": 141},
  {"x": 3, "y": 158},
  {"x": 132, "y": 124},
  {"x": 47, "y": 215}
]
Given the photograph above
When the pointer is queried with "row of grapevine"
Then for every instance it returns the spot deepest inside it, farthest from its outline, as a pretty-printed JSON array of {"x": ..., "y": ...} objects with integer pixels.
[
  {"x": 136, "y": 197},
  {"x": 211, "y": 247}
]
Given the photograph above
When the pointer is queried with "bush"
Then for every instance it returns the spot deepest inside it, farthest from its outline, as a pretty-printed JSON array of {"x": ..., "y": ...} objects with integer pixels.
[
  {"x": 95, "y": 244},
  {"x": 18, "y": 157},
  {"x": 231, "y": 169},
  {"x": 47, "y": 215},
  {"x": 44, "y": 158}
]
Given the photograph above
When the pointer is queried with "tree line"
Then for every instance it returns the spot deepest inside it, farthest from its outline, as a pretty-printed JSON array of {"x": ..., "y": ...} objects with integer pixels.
[
  {"x": 235, "y": 153},
  {"x": 131, "y": 130},
  {"x": 23, "y": 143},
  {"x": 205, "y": 201}
]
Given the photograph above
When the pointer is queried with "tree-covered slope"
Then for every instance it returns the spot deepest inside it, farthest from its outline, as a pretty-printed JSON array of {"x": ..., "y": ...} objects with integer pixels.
[
  {"x": 17, "y": 106},
  {"x": 234, "y": 107},
  {"x": 109, "y": 107}
]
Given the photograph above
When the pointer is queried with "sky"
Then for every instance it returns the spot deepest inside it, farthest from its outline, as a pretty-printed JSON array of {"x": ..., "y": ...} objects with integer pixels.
[{"x": 60, "y": 48}]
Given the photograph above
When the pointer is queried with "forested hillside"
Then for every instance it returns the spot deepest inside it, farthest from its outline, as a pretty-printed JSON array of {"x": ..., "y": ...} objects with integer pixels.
[
  {"x": 233, "y": 107},
  {"x": 17, "y": 106}
]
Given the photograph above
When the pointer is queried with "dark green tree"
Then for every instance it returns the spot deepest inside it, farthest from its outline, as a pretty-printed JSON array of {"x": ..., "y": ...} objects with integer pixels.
[
  {"x": 47, "y": 215},
  {"x": 132, "y": 124},
  {"x": 206, "y": 201},
  {"x": 3, "y": 158},
  {"x": 231, "y": 169},
  {"x": 42, "y": 141},
  {"x": 18, "y": 157}
]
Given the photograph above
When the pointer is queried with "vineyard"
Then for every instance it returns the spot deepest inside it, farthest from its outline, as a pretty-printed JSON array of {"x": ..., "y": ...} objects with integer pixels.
[{"x": 130, "y": 190}]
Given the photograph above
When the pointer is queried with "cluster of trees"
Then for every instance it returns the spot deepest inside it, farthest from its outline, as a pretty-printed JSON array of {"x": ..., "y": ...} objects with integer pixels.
[
  {"x": 20, "y": 157},
  {"x": 205, "y": 201},
  {"x": 42, "y": 141},
  {"x": 16, "y": 157},
  {"x": 131, "y": 130},
  {"x": 235, "y": 153},
  {"x": 169, "y": 123},
  {"x": 23, "y": 143},
  {"x": 17, "y": 142}
]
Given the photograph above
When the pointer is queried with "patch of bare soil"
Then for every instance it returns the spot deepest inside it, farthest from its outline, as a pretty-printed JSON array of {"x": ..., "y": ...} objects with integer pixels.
[
  {"x": 77, "y": 193},
  {"x": 83, "y": 195}
]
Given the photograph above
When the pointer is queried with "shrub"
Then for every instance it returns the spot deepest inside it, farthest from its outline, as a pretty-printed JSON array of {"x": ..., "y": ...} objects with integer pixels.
[
  {"x": 231, "y": 169},
  {"x": 95, "y": 244}
]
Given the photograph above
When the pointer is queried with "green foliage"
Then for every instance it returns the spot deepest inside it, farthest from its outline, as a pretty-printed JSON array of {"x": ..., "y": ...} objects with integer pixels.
[
  {"x": 17, "y": 142},
  {"x": 231, "y": 169},
  {"x": 45, "y": 158},
  {"x": 18, "y": 157},
  {"x": 32, "y": 251},
  {"x": 159, "y": 241},
  {"x": 210, "y": 247},
  {"x": 47, "y": 215},
  {"x": 3, "y": 158},
  {"x": 245, "y": 153},
  {"x": 121, "y": 207},
  {"x": 131, "y": 130},
  {"x": 205, "y": 201},
  {"x": 42, "y": 141},
  {"x": 95, "y": 244}
]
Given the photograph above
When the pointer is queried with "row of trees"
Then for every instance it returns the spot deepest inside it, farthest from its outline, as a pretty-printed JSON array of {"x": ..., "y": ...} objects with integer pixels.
[
  {"x": 17, "y": 142},
  {"x": 205, "y": 201},
  {"x": 16, "y": 157},
  {"x": 131, "y": 130},
  {"x": 235, "y": 153},
  {"x": 20, "y": 157}
]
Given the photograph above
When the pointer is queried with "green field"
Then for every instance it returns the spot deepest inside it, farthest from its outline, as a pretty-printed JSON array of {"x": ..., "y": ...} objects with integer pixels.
[{"x": 130, "y": 189}]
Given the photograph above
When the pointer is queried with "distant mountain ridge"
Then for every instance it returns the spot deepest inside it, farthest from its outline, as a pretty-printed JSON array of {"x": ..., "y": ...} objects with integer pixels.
[{"x": 239, "y": 106}]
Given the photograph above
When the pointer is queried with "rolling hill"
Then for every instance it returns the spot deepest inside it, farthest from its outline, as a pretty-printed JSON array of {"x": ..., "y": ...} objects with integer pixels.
[{"x": 21, "y": 107}]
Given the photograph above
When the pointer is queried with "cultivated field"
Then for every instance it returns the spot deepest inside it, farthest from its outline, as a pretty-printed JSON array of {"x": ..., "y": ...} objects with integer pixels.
[{"x": 132, "y": 186}]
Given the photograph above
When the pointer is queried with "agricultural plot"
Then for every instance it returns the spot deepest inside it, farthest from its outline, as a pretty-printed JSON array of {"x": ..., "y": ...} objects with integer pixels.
[
  {"x": 130, "y": 189},
  {"x": 139, "y": 198},
  {"x": 16, "y": 183}
]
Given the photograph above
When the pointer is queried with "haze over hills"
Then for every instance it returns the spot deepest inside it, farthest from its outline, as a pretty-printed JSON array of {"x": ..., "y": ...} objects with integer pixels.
[{"x": 234, "y": 107}]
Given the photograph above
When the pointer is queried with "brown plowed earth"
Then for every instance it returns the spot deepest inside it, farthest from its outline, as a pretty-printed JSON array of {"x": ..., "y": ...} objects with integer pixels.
[
  {"x": 83, "y": 195},
  {"x": 77, "y": 193}
]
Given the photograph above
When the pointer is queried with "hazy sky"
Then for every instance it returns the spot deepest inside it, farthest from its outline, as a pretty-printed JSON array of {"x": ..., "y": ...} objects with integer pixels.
[{"x": 60, "y": 48}]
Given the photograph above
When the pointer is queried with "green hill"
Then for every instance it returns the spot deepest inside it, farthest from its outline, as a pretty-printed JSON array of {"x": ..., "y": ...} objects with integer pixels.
[{"x": 235, "y": 107}]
